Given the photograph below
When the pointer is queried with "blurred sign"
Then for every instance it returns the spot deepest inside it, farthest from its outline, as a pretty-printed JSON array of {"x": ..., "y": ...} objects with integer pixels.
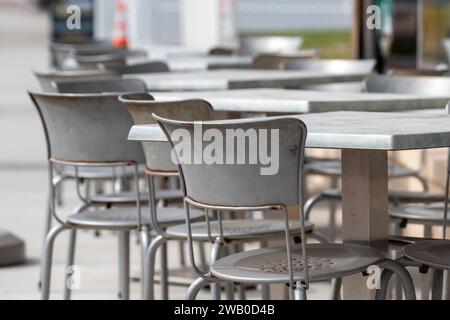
[{"x": 72, "y": 20}]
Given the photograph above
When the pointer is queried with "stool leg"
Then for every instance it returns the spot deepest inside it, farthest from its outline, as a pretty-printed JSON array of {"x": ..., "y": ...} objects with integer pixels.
[
  {"x": 436, "y": 293},
  {"x": 124, "y": 265},
  {"x": 70, "y": 262},
  {"x": 164, "y": 273}
]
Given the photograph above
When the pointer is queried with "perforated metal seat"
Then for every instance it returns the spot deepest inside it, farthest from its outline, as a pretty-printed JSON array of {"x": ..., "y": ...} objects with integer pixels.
[
  {"x": 430, "y": 213},
  {"x": 238, "y": 229},
  {"x": 269, "y": 265},
  {"x": 433, "y": 253},
  {"x": 127, "y": 218}
]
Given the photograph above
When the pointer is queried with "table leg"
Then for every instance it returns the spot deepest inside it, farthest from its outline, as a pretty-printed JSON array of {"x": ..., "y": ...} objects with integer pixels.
[{"x": 365, "y": 208}]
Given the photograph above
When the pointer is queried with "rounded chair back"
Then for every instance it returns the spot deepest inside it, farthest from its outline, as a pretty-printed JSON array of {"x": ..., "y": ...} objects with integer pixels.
[
  {"x": 141, "y": 108},
  {"x": 236, "y": 171},
  {"x": 86, "y": 129},
  {"x": 99, "y": 86},
  {"x": 144, "y": 67},
  {"x": 47, "y": 78}
]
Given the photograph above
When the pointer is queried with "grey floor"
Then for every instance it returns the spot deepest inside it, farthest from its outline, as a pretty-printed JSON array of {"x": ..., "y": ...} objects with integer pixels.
[{"x": 23, "y": 190}]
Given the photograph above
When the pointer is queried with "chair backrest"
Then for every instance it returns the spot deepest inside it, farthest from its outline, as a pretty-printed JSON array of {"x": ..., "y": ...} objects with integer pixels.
[
  {"x": 332, "y": 66},
  {"x": 93, "y": 61},
  {"x": 144, "y": 67},
  {"x": 47, "y": 78},
  {"x": 141, "y": 108},
  {"x": 223, "y": 181},
  {"x": 268, "y": 44},
  {"x": 86, "y": 128},
  {"x": 99, "y": 86},
  {"x": 221, "y": 51},
  {"x": 439, "y": 86},
  {"x": 62, "y": 51},
  {"x": 273, "y": 61}
]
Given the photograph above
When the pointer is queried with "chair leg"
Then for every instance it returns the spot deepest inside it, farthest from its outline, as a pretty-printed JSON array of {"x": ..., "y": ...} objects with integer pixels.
[
  {"x": 195, "y": 288},
  {"x": 311, "y": 202},
  {"x": 300, "y": 293},
  {"x": 241, "y": 292},
  {"x": 436, "y": 293},
  {"x": 70, "y": 262},
  {"x": 124, "y": 265},
  {"x": 182, "y": 255},
  {"x": 215, "y": 254},
  {"x": 392, "y": 267},
  {"x": 47, "y": 260},
  {"x": 423, "y": 182},
  {"x": 149, "y": 270},
  {"x": 144, "y": 239},
  {"x": 164, "y": 273},
  {"x": 332, "y": 207},
  {"x": 336, "y": 285}
]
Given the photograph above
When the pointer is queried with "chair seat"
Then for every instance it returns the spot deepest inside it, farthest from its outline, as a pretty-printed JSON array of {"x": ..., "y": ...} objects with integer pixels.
[
  {"x": 425, "y": 213},
  {"x": 396, "y": 196},
  {"x": 238, "y": 229},
  {"x": 433, "y": 253},
  {"x": 130, "y": 197},
  {"x": 333, "y": 168},
  {"x": 269, "y": 265},
  {"x": 127, "y": 218},
  {"x": 92, "y": 172}
]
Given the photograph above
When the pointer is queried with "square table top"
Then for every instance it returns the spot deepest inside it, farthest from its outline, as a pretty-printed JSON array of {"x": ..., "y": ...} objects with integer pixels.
[
  {"x": 224, "y": 79},
  {"x": 273, "y": 100},
  {"x": 354, "y": 130}
]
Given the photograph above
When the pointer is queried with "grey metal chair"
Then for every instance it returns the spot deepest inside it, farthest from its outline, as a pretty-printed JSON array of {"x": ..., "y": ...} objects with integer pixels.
[
  {"x": 136, "y": 68},
  {"x": 92, "y": 62},
  {"x": 428, "y": 253},
  {"x": 273, "y": 61},
  {"x": 334, "y": 66},
  {"x": 252, "y": 44},
  {"x": 243, "y": 188},
  {"x": 95, "y": 86},
  {"x": 90, "y": 131},
  {"x": 46, "y": 78},
  {"x": 234, "y": 231},
  {"x": 62, "y": 51}
]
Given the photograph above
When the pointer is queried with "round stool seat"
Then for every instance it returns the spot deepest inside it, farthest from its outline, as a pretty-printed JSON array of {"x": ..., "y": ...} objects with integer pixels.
[
  {"x": 433, "y": 253},
  {"x": 127, "y": 218},
  {"x": 269, "y": 265}
]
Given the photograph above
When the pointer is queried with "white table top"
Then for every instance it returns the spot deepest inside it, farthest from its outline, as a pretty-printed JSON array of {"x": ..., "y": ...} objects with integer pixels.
[
  {"x": 272, "y": 100},
  {"x": 238, "y": 79},
  {"x": 355, "y": 130}
]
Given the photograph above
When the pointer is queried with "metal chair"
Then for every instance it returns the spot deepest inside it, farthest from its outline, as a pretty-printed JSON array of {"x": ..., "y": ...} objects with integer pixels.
[
  {"x": 136, "y": 68},
  {"x": 92, "y": 62},
  {"x": 243, "y": 188},
  {"x": 90, "y": 131},
  {"x": 159, "y": 165},
  {"x": 62, "y": 51},
  {"x": 428, "y": 253},
  {"x": 272, "y": 61},
  {"x": 334, "y": 66},
  {"x": 95, "y": 86},
  {"x": 234, "y": 231},
  {"x": 250, "y": 44},
  {"x": 46, "y": 78}
]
